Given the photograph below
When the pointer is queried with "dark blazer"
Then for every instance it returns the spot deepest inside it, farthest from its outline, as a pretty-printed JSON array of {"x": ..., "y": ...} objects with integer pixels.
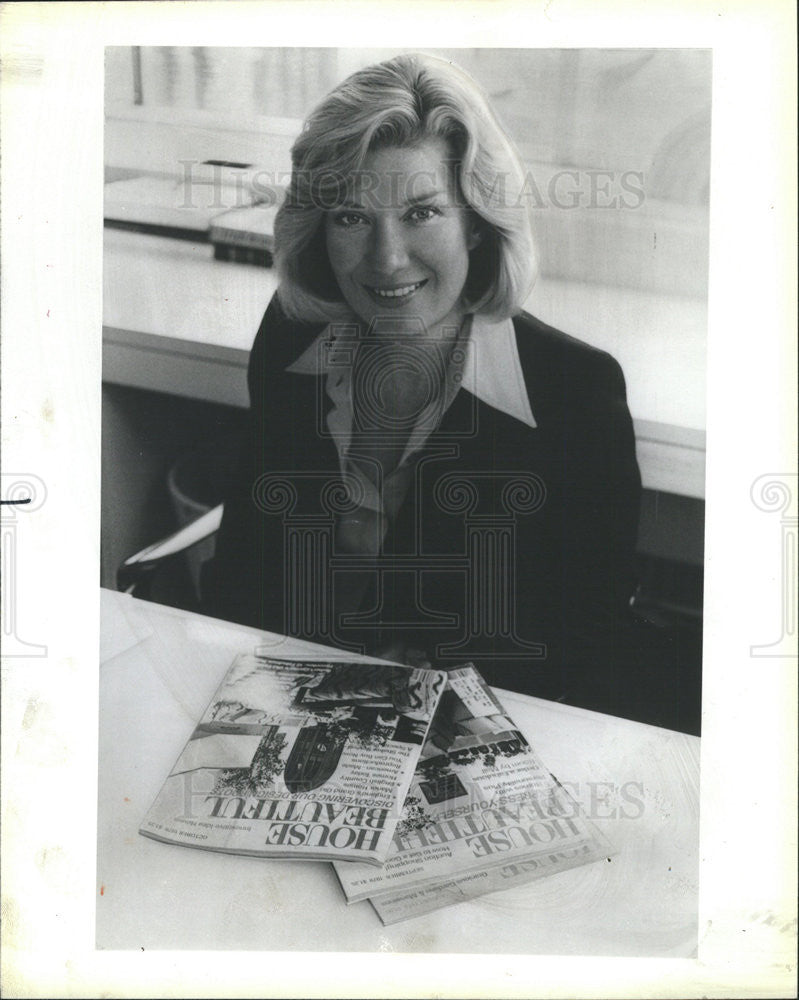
[{"x": 514, "y": 546}]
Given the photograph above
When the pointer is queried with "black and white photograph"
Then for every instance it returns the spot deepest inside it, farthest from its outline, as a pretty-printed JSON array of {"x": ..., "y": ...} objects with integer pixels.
[
  {"x": 410, "y": 427},
  {"x": 404, "y": 354}
]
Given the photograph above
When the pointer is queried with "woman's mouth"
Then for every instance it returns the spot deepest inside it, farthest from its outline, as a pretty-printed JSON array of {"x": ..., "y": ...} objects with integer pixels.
[{"x": 397, "y": 292}]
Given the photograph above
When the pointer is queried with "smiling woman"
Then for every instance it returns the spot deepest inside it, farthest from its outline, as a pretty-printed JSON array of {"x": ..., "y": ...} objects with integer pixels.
[
  {"x": 403, "y": 251},
  {"x": 397, "y": 106},
  {"x": 433, "y": 474}
]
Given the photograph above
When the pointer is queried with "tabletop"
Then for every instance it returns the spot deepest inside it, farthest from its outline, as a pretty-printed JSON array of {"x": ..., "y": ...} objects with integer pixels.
[{"x": 159, "y": 668}]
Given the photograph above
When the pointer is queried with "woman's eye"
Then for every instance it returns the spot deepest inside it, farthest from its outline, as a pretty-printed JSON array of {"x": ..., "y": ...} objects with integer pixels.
[
  {"x": 423, "y": 213},
  {"x": 347, "y": 220}
]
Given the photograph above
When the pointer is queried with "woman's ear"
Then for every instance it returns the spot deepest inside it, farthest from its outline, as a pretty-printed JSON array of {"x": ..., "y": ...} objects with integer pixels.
[{"x": 475, "y": 235}]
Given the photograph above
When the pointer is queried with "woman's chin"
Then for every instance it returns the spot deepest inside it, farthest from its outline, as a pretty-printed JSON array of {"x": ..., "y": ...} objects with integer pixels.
[
  {"x": 409, "y": 322},
  {"x": 395, "y": 324}
]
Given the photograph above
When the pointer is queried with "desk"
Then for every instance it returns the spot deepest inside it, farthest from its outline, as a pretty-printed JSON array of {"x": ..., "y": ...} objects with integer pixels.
[
  {"x": 159, "y": 669},
  {"x": 176, "y": 320}
]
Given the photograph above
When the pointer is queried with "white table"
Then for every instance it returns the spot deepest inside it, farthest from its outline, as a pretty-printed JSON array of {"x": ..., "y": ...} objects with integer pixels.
[{"x": 159, "y": 669}]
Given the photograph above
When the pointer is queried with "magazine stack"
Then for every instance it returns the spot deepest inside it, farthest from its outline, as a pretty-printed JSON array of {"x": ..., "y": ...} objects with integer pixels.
[{"x": 415, "y": 783}]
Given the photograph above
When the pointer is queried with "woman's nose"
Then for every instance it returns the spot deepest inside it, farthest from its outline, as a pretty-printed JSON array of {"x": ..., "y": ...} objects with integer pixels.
[{"x": 388, "y": 250}]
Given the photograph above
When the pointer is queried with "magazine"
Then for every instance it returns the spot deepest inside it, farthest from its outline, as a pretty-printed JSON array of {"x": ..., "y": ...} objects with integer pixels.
[
  {"x": 299, "y": 759},
  {"x": 415, "y": 902},
  {"x": 480, "y": 799}
]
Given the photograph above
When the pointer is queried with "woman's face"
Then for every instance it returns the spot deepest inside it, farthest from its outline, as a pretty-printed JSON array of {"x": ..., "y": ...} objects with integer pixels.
[{"x": 399, "y": 247}]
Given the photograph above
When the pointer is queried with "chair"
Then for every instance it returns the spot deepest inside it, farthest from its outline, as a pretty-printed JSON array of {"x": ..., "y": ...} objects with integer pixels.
[{"x": 136, "y": 573}]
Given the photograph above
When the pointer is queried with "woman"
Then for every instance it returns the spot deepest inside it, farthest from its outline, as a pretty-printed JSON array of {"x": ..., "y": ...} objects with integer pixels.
[{"x": 432, "y": 473}]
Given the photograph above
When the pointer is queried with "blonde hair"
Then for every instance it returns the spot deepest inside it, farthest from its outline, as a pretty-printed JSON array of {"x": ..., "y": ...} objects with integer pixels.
[{"x": 401, "y": 102}]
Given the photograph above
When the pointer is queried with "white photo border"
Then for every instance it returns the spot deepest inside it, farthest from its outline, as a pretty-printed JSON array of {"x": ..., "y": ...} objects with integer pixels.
[{"x": 51, "y": 103}]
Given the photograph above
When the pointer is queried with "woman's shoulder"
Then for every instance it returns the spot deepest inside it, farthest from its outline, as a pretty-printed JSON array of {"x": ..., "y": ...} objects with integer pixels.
[
  {"x": 279, "y": 340},
  {"x": 542, "y": 346}
]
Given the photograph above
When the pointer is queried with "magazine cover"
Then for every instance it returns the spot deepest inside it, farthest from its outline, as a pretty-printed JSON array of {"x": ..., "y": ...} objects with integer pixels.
[
  {"x": 480, "y": 798},
  {"x": 299, "y": 759}
]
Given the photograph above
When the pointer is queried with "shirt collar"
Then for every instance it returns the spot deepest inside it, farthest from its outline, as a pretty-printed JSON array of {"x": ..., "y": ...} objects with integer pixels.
[{"x": 492, "y": 371}]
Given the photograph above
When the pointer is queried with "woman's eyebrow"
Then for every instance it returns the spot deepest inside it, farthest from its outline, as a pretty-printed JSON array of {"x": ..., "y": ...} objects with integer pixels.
[
  {"x": 416, "y": 199},
  {"x": 409, "y": 202}
]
